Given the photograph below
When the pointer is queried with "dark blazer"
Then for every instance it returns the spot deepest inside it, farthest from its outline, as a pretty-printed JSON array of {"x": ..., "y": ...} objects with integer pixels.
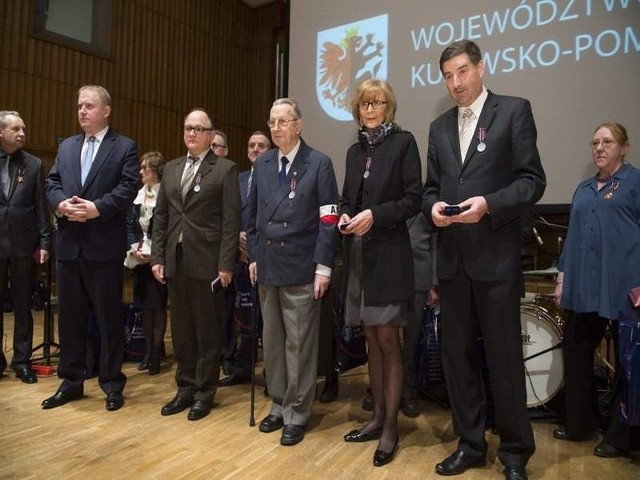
[
  {"x": 286, "y": 236},
  {"x": 208, "y": 219},
  {"x": 111, "y": 184},
  {"x": 24, "y": 218},
  {"x": 243, "y": 181},
  {"x": 393, "y": 193},
  {"x": 508, "y": 173}
]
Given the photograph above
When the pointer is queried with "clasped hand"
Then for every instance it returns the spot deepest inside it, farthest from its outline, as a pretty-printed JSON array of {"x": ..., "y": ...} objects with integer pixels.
[{"x": 78, "y": 209}]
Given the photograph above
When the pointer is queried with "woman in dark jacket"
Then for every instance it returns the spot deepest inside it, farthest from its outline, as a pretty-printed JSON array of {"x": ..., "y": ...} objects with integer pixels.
[
  {"x": 382, "y": 189},
  {"x": 149, "y": 295}
]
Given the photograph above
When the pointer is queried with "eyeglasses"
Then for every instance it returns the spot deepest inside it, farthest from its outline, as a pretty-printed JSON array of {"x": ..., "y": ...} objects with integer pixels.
[
  {"x": 258, "y": 145},
  {"x": 217, "y": 145},
  {"x": 376, "y": 104},
  {"x": 283, "y": 122},
  {"x": 198, "y": 130},
  {"x": 606, "y": 143},
  {"x": 144, "y": 167}
]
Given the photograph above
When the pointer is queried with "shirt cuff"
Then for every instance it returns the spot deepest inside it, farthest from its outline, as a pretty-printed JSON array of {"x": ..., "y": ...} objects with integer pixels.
[{"x": 323, "y": 270}]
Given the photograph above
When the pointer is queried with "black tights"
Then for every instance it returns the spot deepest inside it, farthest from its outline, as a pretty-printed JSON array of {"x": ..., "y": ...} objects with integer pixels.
[
  {"x": 154, "y": 324},
  {"x": 385, "y": 377}
]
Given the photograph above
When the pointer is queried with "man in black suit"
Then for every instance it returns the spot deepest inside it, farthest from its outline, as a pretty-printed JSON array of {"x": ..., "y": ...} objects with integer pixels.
[
  {"x": 25, "y": 234},
  {"x": 90, "y": 187},
  {"x": 482, "y": 156}
]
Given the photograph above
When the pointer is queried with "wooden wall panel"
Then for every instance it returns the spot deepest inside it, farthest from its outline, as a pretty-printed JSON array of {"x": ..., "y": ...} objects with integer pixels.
[{"x": 167, "y": 57}]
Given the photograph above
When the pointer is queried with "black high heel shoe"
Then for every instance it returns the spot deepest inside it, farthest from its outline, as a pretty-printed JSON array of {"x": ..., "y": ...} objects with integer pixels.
[{"x": 380, "y": 457}]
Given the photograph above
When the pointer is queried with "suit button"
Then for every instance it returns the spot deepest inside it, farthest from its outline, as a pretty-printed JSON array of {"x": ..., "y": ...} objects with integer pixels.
[
  {"x": 460, "y": 181},
  {"x": 268, "y": 242},
  {"x": 270, "y": 223},
  {"x": 282, "y": 243},
  {"x": 284, "y": 225}
]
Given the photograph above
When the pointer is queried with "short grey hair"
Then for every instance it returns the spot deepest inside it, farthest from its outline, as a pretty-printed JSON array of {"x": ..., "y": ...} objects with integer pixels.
[
  {"x": 292, "y": 103},
  {"x": 7, "y": 113}
]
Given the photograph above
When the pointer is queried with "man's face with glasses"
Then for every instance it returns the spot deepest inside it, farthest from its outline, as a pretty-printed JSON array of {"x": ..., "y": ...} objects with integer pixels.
[
  {"x": 285, "y": 127},
  {"x": 220, "y": 149},
  {"x": 197, "y": 132}
]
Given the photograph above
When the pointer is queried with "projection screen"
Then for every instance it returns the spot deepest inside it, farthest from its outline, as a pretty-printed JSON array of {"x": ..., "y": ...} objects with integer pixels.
[{"x": 577, "y": 62}]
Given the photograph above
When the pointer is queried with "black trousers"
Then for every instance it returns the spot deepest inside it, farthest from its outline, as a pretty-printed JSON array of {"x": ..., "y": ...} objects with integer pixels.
[
  {"x": 471, "y": 309},
  {"x": 582, "y": 334},
  {"x": 21, "y": 270},
  {"x": 84, "y": 286},
  {"x": 196, "y": 317}
]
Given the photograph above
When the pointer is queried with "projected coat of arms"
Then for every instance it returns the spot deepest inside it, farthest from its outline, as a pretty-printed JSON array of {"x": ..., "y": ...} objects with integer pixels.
[{"x": 346, "y": 56}]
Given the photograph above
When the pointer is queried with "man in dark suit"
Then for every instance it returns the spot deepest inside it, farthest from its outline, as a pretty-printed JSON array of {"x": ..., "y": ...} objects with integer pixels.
[
  {"x": 292, "y": 245},
  {"x": 25, "y": 234},
  {"x": 240, "y": 372},
  {"x": 90, "y": 187},
  {"x": 482, "y": 156},
  {"x": 195, "y": 240}
]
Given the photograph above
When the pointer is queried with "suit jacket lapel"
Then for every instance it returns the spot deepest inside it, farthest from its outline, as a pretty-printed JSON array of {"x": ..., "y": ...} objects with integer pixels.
[
  {"x": 486, "y": 118},
  {"x": 74, "y": 155},
  {"x": 454, "y": 135}
]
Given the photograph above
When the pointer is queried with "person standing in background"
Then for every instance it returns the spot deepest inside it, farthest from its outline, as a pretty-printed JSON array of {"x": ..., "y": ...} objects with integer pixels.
[
  {"x": 598, "y": 269},
  {"x": 149, "y": 295},
  {"x": 25, "y": 236},
  {"x": 240, "y": 371},
  {"x": 90, "y": 187}
]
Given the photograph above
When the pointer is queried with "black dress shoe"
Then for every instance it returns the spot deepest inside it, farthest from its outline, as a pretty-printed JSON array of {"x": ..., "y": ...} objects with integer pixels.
[
  {"x": 292, "y": 434},
  {"x": 234, "y": 379},
  {"x": 605, "y": 450},
  {"x": 60, "y": 398},
  {"x": 380, "y": 457},
  {"x": 562, "y": 434},
  {"x": 356, "y": 436},
  {"x": 458, "y": 462},
  {"x": 199, "y": 409},
  {"x": 177, "y": 405},
  {"x": 409, "y": 407},
  {"x": 270, "y": 423},
  {"x": 515, "y": 472},
  {"x": 114, "y": 401},
  {"x": 330, "y": 390},
  {"x": 25, "y": 374},
  {"x": 154, "y": 369}
]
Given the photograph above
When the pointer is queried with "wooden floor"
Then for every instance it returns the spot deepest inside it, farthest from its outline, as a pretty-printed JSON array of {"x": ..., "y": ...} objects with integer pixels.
[{"x": 83, "y": 441}]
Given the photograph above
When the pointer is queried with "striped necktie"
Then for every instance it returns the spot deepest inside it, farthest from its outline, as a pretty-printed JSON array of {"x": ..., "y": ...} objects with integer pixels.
[
  {"x": 466, "y": 131},
  {"x": 187, "y": 176}
]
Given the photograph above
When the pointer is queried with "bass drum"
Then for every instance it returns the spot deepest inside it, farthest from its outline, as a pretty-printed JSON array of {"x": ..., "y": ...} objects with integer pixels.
[{"x": 542, "y": 323}]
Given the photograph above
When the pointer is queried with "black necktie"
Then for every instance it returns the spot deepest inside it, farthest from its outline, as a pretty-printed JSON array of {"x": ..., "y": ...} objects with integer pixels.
[{"x": 282, "y": 175}]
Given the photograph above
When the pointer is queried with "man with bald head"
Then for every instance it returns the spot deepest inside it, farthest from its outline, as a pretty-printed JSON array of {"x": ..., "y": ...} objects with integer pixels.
[{"x": 195, "y": 241}]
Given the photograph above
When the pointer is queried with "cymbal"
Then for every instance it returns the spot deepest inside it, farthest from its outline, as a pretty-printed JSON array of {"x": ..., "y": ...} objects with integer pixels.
[{"x": 547, "y": 272}]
